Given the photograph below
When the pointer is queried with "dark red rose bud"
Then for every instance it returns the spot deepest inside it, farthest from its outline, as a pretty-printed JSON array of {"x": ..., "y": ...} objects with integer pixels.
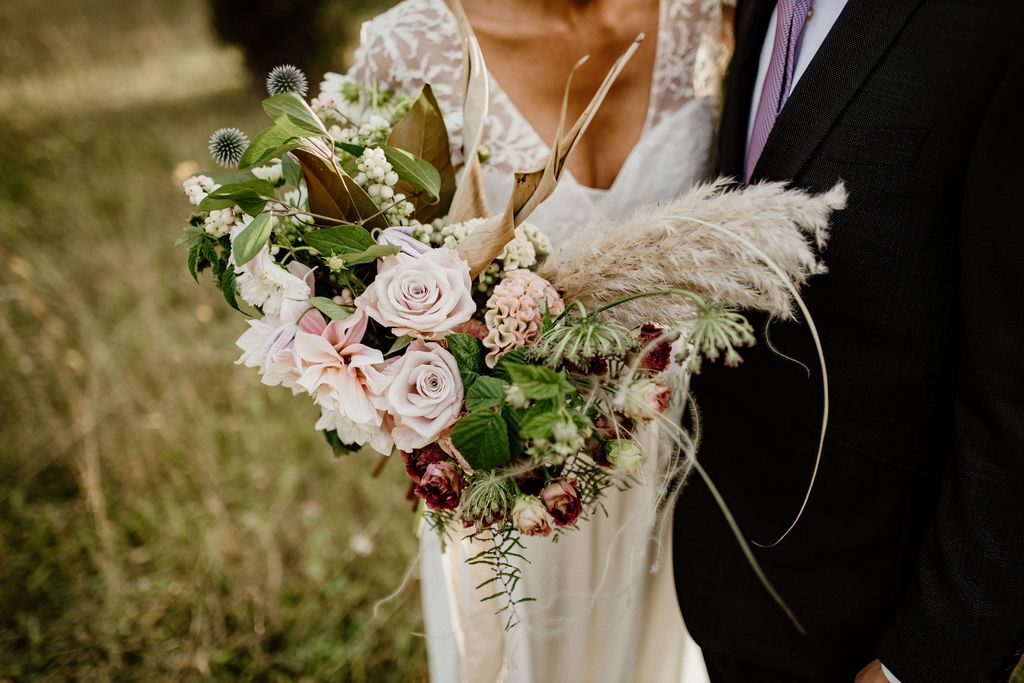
[
  {"x": 441, "y": 486},
  {"x": 417, "y": 461},
  {"x": 562, "y": 500},
  {"x": 656, "y": 350}
]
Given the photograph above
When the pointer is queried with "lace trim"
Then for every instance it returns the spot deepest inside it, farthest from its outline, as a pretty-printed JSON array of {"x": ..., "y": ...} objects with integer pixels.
[{"x": 418, "y": 42}]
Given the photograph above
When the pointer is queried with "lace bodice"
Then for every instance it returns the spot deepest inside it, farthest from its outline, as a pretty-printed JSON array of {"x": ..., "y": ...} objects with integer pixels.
[{"x": 418, "y": 42}]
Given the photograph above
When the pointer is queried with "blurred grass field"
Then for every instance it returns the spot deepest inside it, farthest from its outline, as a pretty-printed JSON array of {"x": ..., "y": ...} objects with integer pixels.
[{"x": 163, "y": 516}]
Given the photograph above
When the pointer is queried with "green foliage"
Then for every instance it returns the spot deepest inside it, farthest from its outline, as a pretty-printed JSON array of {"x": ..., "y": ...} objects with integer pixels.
[
  {"x": 330, "y": 309},
  {"x": 340, "y": 240},
  {"x": 339, "y": 447},
  {"x": 465, "y": 348},
  {"x": 482, "y": 439},
  {"x": 539, "y": 419},
  {"x": 163, "y": 515},
  {"x": 250, "y": 196},
  {"x": 291, "y": 109},
  {"x": 539, "y": 383},
  {"x": 270, "y": 143},
  {"x": 253, "y": 238},
  {"x": 484, "y": 393}
]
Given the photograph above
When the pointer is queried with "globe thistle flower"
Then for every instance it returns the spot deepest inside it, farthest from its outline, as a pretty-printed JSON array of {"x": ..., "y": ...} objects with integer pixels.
[
  {"x": 227, "y": 146},
  {"x": 287, "y": 78}
]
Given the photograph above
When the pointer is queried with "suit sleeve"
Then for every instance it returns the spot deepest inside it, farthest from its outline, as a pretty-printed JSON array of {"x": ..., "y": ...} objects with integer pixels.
[{"x": 963, "y": 619}]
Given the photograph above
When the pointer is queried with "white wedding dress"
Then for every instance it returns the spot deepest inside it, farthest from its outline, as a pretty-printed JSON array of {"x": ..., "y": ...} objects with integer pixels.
[{"x": 605, "y": 609}]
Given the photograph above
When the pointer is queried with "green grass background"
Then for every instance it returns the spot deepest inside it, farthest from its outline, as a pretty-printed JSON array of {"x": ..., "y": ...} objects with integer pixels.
[{"x": 163, "y": 516}]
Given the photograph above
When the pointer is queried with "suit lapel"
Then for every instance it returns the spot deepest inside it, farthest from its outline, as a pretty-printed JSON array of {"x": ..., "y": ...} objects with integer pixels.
[
  {"x": 752, "y": 19},
  {"x": 857, "y": 42}
]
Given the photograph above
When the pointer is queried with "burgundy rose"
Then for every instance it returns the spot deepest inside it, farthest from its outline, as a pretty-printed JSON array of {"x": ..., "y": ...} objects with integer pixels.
[
  {"x": 656, "y": 349},
  {"x": 417, "y": 461},
  {"x": 562, "y": 500},
  {"x": 441, "y": 486},
  {"x": 531, "y": 481}
]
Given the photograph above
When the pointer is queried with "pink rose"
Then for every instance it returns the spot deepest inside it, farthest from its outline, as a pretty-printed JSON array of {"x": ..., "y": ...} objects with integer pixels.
[
  {"x": 441, "y": 486},
  {"x": 530, "y": 516},
  {"x": 562, "y": 500},
  {"x": 426, "y": 296},
  {"x": 423, "y": 392}
]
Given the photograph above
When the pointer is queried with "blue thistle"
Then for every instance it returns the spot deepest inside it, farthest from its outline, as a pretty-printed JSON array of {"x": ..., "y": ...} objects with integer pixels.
[
  {"x": 227, "y": 146},
  {"x": 287, "y": 78}
]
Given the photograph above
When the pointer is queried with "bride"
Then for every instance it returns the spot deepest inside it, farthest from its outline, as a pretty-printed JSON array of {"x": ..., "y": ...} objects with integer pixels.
[{"x": 605, "y": 607}]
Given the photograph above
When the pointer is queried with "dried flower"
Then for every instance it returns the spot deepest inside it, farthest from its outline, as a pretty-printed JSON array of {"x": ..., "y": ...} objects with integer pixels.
[
  {"x": 531, "y": 517},
  {"x": 441, "y": 486}
]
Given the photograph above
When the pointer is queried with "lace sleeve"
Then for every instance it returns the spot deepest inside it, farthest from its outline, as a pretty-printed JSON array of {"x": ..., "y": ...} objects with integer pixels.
[{"x": 413, "y": 44}]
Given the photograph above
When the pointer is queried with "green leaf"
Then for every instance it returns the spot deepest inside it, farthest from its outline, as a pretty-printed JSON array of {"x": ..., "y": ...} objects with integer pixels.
[
  {"x": 482, "y": 439},
  {"x": 501, "y": 367},
  {"x": 538, "y": 382},
  {"x": 369, "y": 255},
  {"x": 354, "y": 150},
  {"x": 338, "y": 446},
  {"x": 272, "y": 142},
  {"x": 485, "y": 392},
  {"x": 193, "y": 261},
  {"x": 290, "y": 108},
  {"x": 227, "y": 287},
  {"x": 330, "y": 309},
  {"x": 538, "y": 421},
  {"x": 343, "y": 239},
  {"x": 230, "y": 177},
  {"x": 291, "y": 170},
  {"x": 252, "y": 238},
  {"x": 399, "y": 344},
  {"x": 466, "y": 350},
  {"x": 417, "y": 172},
  {"x": 250, "y": 196}
]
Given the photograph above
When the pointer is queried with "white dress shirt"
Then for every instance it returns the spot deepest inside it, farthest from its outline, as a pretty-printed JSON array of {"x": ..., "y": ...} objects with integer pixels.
[{"x": 825, "y": 13}]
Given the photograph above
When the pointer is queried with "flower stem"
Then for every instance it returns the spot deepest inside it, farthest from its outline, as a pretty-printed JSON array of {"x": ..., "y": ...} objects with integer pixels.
[{"x": 698, "y": 301}]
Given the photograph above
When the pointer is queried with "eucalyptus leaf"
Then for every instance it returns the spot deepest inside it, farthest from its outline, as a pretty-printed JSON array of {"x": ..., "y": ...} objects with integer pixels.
[
  {"x": 332, "y": 310},
  {"x": 485, "y": 392},
  {"x": 482, "y": 439},
  {"x": 249, "y": 242},
  {"x": 289, "y": 107},
  {"x": 538, "y": 382},
  {"x": 339, "y": 240}
]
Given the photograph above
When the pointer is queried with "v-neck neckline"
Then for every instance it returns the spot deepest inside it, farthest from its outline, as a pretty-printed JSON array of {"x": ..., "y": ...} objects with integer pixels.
[{"x": 498, "y": 92}]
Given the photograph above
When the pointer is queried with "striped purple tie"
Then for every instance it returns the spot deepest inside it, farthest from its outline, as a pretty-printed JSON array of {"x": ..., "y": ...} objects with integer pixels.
[{"x": 778, "y": 81}]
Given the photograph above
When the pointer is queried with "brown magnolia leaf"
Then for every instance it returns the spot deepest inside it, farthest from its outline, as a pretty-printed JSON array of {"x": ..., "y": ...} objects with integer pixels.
[
  {"x": 470, "y": 199},
  {"x": 422, "y": 132},
  {"x": 333, "y": 193},
  {"x": 531, "y": 188}
]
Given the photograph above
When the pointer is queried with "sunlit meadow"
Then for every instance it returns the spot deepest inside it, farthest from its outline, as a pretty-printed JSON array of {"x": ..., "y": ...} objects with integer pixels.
[{"x": 163, "y": 516}]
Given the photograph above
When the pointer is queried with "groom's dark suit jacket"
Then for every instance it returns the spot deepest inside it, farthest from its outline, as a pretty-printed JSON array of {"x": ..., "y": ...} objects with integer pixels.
[{"x": 912, "y": 547}]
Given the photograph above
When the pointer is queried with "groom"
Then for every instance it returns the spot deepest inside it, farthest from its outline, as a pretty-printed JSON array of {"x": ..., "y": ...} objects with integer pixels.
[{"x": 908, "y": 563}]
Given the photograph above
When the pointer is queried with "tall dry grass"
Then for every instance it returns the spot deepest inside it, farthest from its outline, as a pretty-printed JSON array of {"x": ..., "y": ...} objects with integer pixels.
[{"x": 163, "y": 516}]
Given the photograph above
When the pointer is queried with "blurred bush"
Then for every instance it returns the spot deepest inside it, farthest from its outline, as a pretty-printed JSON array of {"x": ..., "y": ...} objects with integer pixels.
[{"x": 311, "y": 34}]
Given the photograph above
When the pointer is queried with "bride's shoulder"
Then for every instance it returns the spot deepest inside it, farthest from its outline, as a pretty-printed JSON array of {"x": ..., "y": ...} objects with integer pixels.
[{"x": 414, "y": 42}]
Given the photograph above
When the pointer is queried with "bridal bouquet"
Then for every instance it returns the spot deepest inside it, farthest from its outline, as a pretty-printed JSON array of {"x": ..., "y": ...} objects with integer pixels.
[{"x": 512, "y": 381}]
